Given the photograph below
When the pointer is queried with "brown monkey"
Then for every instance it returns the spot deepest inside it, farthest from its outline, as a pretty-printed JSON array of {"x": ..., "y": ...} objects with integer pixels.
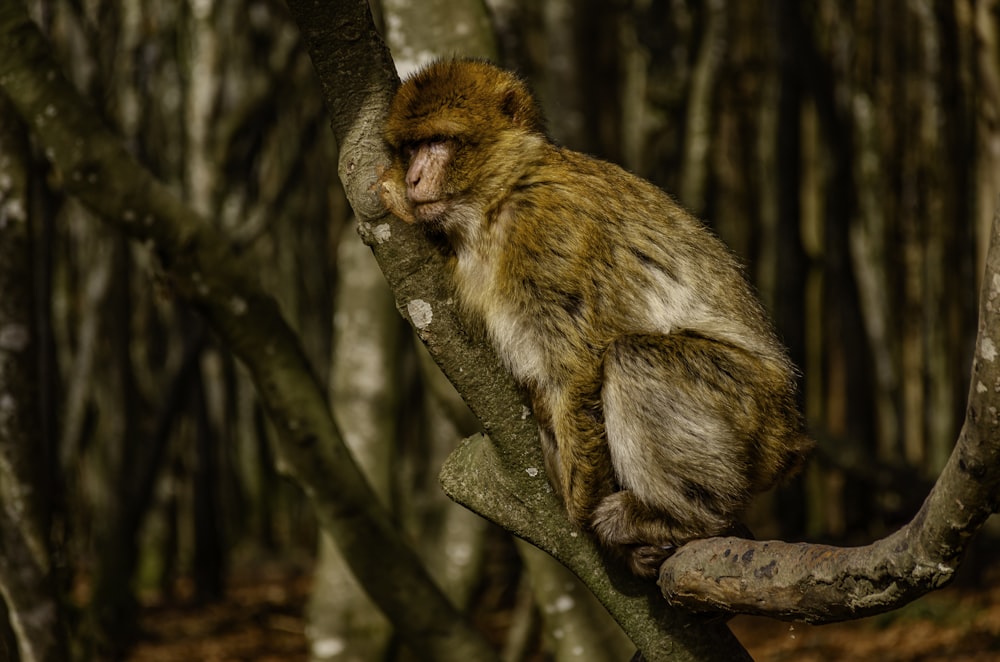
[{"x": 663, "y": 398}]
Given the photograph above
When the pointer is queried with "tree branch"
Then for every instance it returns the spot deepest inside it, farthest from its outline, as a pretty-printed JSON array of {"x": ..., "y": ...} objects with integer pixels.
[
  {"x": 97, "y": 169},
  {"x": 822, "y": 584},
  {"x": 502, "y": 477}
]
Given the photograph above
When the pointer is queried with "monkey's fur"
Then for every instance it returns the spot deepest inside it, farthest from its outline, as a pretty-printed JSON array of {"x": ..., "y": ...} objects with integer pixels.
[{"x": 663, "y": 398}]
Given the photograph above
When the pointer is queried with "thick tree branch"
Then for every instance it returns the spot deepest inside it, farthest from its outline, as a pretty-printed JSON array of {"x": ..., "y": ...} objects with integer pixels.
[
  {"x": 97, "y": 169},
  {"x": 502, "y": 477},
  {"x": 821, "y": 584}
]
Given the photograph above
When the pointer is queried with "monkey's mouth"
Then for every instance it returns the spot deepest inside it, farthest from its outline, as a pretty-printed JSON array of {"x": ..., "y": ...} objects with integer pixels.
[{"x": 430, "y": 211}]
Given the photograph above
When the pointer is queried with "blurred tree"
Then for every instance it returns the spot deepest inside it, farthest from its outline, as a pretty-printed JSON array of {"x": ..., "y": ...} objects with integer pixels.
[
  {"x": 28, "y": 581},
  {"x": 143, "y": 386}
]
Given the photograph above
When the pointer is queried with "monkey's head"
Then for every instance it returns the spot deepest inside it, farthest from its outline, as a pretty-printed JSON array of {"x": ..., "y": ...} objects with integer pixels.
[{"x": 457, "y": 130}]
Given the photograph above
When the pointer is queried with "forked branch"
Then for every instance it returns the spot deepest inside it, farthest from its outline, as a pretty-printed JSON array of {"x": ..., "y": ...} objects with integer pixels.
[{"x": 822, "y": 584}]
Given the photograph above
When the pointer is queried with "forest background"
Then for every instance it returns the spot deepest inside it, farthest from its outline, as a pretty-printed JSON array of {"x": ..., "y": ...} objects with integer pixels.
[{"x": 849, "y": 152}]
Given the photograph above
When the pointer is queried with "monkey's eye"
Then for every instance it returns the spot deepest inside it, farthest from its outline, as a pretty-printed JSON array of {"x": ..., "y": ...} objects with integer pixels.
[{"x": 409, "y": 148}]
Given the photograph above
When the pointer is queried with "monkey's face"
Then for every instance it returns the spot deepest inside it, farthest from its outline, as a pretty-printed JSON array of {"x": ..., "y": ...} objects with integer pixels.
[
  {"x": 426, "y": 178},
  {"x": 445, "y": 183},
  {"x": 455, "y": 130},
  {"x": 426, "y": 182}
]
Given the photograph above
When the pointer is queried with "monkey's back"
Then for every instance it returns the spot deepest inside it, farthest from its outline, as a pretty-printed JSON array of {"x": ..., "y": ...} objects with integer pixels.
[
  {"x": 621, "y": 256},
  {"x": 589, "y": 253}
]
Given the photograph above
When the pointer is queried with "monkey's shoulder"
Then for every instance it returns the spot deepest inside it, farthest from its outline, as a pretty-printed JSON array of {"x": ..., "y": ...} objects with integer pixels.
[
  {"x": 567, "y": 193},
  {"x": 589, "y": 244},
  {"x": 581, "y": 217}
]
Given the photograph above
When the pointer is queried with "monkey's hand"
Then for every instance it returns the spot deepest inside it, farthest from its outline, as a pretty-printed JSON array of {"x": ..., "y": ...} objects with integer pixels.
[{"x": 392, "y": 191}]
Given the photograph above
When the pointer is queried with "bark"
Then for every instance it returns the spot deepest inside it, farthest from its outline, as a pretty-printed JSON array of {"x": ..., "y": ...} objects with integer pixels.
[
  {"x": 367, "y": 379},
  {"x": 204, "y": 271},
  {"x": 821, "y": 584},
  {"x": 451, "y": 537}
]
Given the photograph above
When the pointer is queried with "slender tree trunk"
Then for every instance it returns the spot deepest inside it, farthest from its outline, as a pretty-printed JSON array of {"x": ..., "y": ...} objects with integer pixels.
[{"x": 27, "y": 582}]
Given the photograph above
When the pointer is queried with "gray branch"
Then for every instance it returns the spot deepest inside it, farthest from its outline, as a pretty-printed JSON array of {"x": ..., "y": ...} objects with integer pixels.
[{"x": 822, "y": 584}]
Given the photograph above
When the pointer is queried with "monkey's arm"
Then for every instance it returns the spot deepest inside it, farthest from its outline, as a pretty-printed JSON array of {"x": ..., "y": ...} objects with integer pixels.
[
  {"x": 392, "y": 191},
  {"x": 576, "y": 449}
]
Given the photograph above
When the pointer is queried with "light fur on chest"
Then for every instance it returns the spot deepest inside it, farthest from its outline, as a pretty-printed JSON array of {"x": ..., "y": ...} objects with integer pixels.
[{"x": 508, "y": 329}]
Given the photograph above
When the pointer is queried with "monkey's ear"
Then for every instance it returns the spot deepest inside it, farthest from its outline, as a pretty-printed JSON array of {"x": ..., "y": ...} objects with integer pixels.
[{"x": 520, "y": 108}]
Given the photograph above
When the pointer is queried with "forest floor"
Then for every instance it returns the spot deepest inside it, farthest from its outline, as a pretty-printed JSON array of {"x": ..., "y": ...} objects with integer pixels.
[{"x": 261, "y": 619}]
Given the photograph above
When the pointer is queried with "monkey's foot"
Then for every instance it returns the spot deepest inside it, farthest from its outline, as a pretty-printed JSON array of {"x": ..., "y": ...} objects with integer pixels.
[
  {"x": 645, "y": 560},
  {"x": 621, "y": 520},
  {"x": 644, "y": 538}
]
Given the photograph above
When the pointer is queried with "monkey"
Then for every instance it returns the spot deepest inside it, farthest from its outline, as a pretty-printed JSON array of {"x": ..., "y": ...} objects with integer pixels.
[{"x": 663, "y": 397}]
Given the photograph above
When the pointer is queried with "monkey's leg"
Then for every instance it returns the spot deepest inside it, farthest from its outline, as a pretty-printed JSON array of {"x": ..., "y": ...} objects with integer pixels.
[
  {"x": 576, "y": 447},
  {"x": 684, "y": 416}
]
